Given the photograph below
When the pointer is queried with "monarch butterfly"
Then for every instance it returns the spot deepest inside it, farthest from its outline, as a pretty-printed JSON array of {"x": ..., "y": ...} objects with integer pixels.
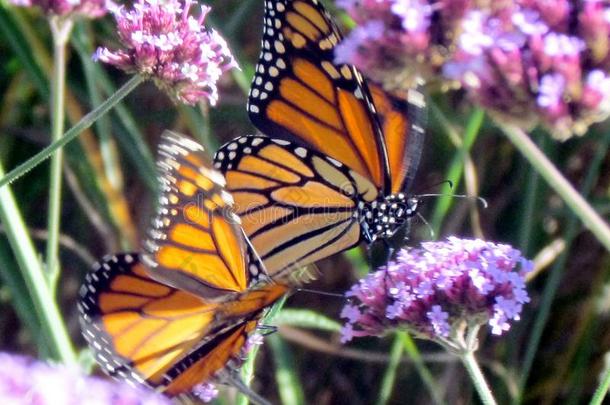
[
  {"x": 343, "y": 153},
  {"x": 180, "y": 313}
]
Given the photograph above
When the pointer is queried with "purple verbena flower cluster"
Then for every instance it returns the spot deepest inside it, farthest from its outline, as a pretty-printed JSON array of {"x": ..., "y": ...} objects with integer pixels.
[
  {"x": 24, "y": 381},
  {"x": 528, "y": 61},
  {"x": 164, "y": 42},
  {"x": 437, "y": 289},
  {"x": 63, "y": 8}
]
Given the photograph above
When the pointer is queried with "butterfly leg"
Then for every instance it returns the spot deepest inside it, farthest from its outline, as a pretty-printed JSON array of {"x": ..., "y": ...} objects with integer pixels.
[
  {"x": 266, "y": 329},
  {"x": 389, "y": 251}
]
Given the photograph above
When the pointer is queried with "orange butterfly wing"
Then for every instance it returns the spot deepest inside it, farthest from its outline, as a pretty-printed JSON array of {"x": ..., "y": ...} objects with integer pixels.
[
  {"x": 296, "y": 205},
  {"x": 153, "y": 334},
  {"x": 196, "y": 243},
  {"x": 402, "y": 119},
  {"x": 301, "y": 95},
  {"x": 139, "y": 328}
]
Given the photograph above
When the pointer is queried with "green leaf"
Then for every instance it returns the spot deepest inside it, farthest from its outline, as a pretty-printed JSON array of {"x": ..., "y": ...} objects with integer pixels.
[{"x": 308, "y": 319}]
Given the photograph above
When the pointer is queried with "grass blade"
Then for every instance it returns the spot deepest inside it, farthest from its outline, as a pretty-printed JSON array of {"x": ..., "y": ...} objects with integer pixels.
[{"x": 286, "y": 376}]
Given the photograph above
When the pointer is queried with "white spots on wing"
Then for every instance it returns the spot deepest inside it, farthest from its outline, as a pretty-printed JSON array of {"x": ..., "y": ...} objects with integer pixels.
[
  {"x": 334, "y": 161},
  {"x": 416, "y": 98},
  {"x": 301, "y": 152}
]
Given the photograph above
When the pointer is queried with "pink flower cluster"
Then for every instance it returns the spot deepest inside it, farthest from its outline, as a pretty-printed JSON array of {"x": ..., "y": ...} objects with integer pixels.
[
  {"x": 436, "y": 290},
  {"x": 164, "y": 42},
  {"x": 26, "y": 381},
  {"x": 528, "y": 61},
  {"x": 397, "y": 40},
  {"x": 63, "y": 8}
]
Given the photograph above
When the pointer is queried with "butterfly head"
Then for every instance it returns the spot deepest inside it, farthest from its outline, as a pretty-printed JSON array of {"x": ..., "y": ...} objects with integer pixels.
[{"x": 384, "y": 216}]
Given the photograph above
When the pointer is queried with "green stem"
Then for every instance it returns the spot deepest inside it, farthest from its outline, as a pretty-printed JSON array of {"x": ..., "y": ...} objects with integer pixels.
[
  {"x": 61, "y": 32},
  {"x": 286, "y": 377},
  {"x": 554, "y": 178},
  {"x": 423, "y": 371},
  {"x": 456, "y": 168},
  {"x": 532, "y": 191},
  {"x": 389, "y": 378},
  {"x": 476, "y": 375},
  {"x": 73, "y": 132},
  {"x": 602, "y": 389},
  {"x": 46, "y": 308}
]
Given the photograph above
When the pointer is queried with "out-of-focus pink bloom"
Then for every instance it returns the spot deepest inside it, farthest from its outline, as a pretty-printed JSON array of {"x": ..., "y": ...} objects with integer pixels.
[
  {"x": 440, "y": 289},
  {"x": 25, "y": 381},
  {"x": 164, "y": 42},
  {"x": 398, "y": 40},
  {"x": 206, "y": 392},
  {"x": 62, "y": 8},
  {"x": 527, "y": 61}
]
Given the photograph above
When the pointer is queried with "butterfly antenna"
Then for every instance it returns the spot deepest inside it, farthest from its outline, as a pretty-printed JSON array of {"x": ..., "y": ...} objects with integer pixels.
[
  {"x": 479, "y": 199},
  {"x": 234, "y": 380},
  {"x": 435, "y": 185},
  {"x": 325, "y": 293}
]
